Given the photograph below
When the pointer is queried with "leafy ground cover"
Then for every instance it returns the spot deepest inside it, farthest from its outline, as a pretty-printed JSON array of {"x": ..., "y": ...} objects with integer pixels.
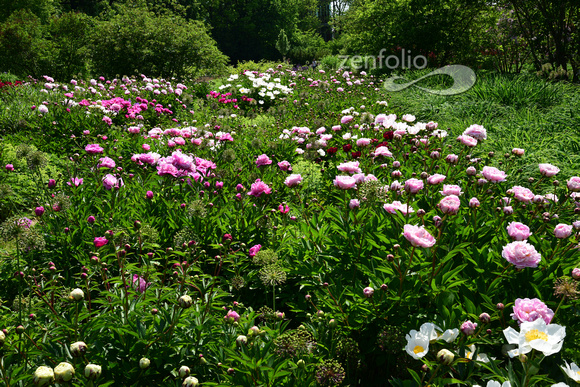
[{"x": 288, "y": 229}]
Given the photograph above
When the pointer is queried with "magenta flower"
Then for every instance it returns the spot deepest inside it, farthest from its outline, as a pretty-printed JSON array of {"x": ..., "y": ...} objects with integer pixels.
[
  {"x": 258, "y": 188},
  {"x": 106, "y": 162},
  {"x": 263, "y": 160},
  {"x": 418, "y": 236},
  {"x": 51, "y": 183},
  {"x": 167, "y": 169},
  {"x": 521, "y": 254},
  {"x": 284, "y": 166},
  {"x": 344, "y": 182},
  {"x": 528, "y": 310},
  {"x": 493, "y": 174},
  {"x": 413, "y": 186},
  {"x": 283, "y": 209},
  {"x": 100, "y": 242},
  {"x": 149, "y": 195},
  {"x": 139, "y": 283},
  {"x": 449, "y": 204},
  {"x": 468, "y": 328},
  {"x": 474, "y": 203},
  {"x": 518, "y": 231},
  {"x": 9, "y": 167},
  {"x": 548, "y": 170},
  {"x": 39, "y": 211},
  {"x": 563, "y": 231},
  {"x": 110, "y": 182},
  {"x": 293, "y": 180},
  {"x": 232, "y": 316},
  {"x": 94, "y": 149},
  {"x": 91, "y": 219},
  {"x": 254, "y": 250},
  {"x": 75, "y": 181}
]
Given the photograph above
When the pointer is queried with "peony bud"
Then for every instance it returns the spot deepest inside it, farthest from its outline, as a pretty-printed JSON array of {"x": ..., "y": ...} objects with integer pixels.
[
  {"x": 241, "y": 340},
  {"x": 185, "y": 301},
  {"x": 144, "y": 363},
  {"x": 78, "y": 349},
  {"x": 445, "y": 357},
  {"x": 77, "y": 294},
  {"x": 43, "y": 376},
  {"x": 190, "y": 381},
  {"x": 64, "y": 372},
  {"x": 184, "y": 371},
  {"x": 93, "y": 371}
]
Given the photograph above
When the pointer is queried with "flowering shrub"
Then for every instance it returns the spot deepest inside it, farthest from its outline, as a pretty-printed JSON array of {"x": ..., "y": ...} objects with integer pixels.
[{"x": 195, "y": 249}]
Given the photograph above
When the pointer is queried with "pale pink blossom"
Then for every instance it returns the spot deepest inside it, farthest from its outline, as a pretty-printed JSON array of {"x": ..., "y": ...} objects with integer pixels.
[
  {"x": 418, "y": 236},
  {"x": 383, "y": 151},
  {"x": 518, "y": 151},
  {"x": 449, "y": 204},
  {"x": 528, "y": 310},
  {"x": 562, "y": 231},
  {"x": 284, "y": 166},
  {"x": 521, "y": 254},
  {"x": 548, "y": 170},
  {"x": 349, "y": 167},
  {"x": 452, "y": 158},
  {"x": 106, "y": 162},
  {"x": 110, "y": 182},
  {"x": 94, "y": 149},
  {"x": 398, "y": 206},
  {"x": 476, "y": 131},
  {"x": 574, "y": 184},
  {"x": 346, "y": 119},
  {"x": 293, "y": 180},
  {"x": 474, "y": 203},
  {"x": 523, "y": 194},
  {"x": 354, "y": 203},
  {"x": 344, "y": 182},
  {"x": 435, "y": 179},
  {"x": 493, "y": 174},
  {"x": 362, "y": 142},
  {"x": 467, "y": 140},
  {"x": 451, "y": 189},
  {"x": 413, "y": 186},
  {"x": 518, "y": 231}
]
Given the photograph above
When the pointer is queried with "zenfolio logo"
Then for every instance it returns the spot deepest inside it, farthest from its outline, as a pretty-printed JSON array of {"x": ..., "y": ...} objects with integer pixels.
[
  {"x": 463, "y": 79},
  {"x": 403, "y": 60}
]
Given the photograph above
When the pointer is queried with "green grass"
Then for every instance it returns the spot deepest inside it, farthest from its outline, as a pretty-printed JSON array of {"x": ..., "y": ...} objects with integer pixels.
[{"x": 517, "y": 110}]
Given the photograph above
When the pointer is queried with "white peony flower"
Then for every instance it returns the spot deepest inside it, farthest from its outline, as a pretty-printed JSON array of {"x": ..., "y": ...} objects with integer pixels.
[
  {"x": 417, "y": 344},
  {"x": 547, "y": 338},
  {"x": 573, "y": 371}
]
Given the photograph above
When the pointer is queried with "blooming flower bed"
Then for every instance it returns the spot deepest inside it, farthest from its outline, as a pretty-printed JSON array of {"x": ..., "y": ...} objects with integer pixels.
[{"x": 179, "y": 246}]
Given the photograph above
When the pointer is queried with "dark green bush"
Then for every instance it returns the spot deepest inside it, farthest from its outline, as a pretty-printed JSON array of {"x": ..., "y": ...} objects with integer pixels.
[{"x": 133, "y": 40}]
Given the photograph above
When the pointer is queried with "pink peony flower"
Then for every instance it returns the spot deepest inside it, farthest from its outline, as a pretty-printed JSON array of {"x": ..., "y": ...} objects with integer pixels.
[
  {"x": 166, "y": 169},
  {"x": 258, "y": 188},
  {"x": 254, "y": 250},
  {"x": 449, "y": 204},
  {"x": 476, "y": 131},
  {"x": 398, "y": 206},
  {"x": 9, "y": 167},
  {"x": 284, "y": 166},
  {"x": 413, "y": 186},
  {"x": 576, "y": 273},
  {"x": 436, "y": 179},
  {"x": 474, "y": 203},
  {"x": 418, "y": 236},
  {"x": 362, "y": 142},
  {"x": 467, "y": 140},
  {"x": 110, "y": 182},
  {"x": 383, "y": 151},
  {"x": 548, "y": 170},
  {"x": 528, "y": 310},
  {"x": 452, "y": 158},
  {"x": 450, "y": 189},
  {"x": 149, "y": 195},
  {"x": 94, "y": 149},
  {"x": 562, "y": 231},
  {"x": 100, "y": 242},
  {"x": 368, "y": 292},
  {"x": 493, "y": 174},
  {"x": 293, "y": 180},
  {"x": 232, "y": 316},
  {"x": 350, "y": 167},
  {"x": 468, "y": 328},
  {"x": 574, "y": 184},
  {"x": 106, "y": 162},
  {"x": 518, "y": 151},
  {"x": 523, "y": 194},
  {"x": 346, "y": 119},
  {"x": 518, "y": 231},
  {"x": 521, "y": 254},
  {"x": 344, "y": 182},
  {"x": 75, "y": 181},
  {"x": 263, "y": 160},
  {"x": 139, "y": 283},
  {"x": 39, "y": 211},
  {"x": 354, "y": 203}
]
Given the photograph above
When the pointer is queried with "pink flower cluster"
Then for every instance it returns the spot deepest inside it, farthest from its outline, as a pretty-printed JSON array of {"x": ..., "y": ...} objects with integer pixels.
[{"x": 418, "y": 236}]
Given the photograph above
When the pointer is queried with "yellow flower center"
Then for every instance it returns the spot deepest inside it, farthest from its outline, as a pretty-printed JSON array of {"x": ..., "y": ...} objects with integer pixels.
[
  {"x": 535, "y": 334},
  {"x": 418, "y": 349}
]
